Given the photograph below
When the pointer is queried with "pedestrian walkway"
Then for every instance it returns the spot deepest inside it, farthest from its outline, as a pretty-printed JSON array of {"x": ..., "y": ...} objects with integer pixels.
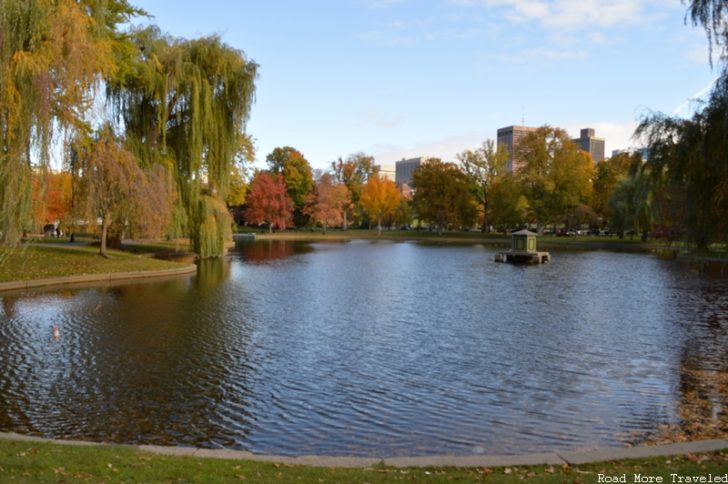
[{"x": 550, "y": 458}]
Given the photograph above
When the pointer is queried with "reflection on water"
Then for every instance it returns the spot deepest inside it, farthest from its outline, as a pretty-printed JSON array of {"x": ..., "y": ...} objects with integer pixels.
[{"x": 375, "y": 349}]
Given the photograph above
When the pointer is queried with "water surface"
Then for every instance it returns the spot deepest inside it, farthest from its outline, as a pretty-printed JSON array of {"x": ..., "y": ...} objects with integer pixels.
[{"x": 372, "y": 349}]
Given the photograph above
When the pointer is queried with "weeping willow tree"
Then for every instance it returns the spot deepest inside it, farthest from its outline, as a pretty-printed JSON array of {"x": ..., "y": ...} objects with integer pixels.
[
  {"x": 186, "y": 102},
  {"x": 688, "y": 165},
  {"x": 53, "y": 54}
]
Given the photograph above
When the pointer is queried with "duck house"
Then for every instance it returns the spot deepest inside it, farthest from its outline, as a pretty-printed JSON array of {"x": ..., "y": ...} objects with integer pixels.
[{"x": 523, "y": 250}]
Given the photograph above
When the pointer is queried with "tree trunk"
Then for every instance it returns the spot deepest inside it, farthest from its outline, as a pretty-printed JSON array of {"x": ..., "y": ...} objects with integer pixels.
[
  {"x": 379, "y": 225},
  {"x": 270, "y": 228},
  {"x": 344, "y": 226},
  {"x": 486, "y": 225},
  {"x": 104, "y": 231},
  {"x": 324, "y": 228},
  {"x": 539, "y": 227}
]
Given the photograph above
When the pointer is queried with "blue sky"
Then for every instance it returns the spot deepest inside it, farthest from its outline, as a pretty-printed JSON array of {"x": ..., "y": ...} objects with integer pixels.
[{"x": 402, "y": 78}]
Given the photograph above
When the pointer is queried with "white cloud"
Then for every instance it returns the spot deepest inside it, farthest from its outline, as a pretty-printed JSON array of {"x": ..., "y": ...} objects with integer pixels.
[
  {"x": 686, "y": 108},
  {"x": 382, "y": 3},
  {"x": 389, "y": 38},
  {"x": 537, "y": 54},
  {"x": 572, "y": 14},
  {"x": 445, "y": 148},
  {"x": 380, "y": 120},
  {"x": 698, "y": 55},
  {"x": 617, "y": 135},
  {"x": 549, "y": 54}
]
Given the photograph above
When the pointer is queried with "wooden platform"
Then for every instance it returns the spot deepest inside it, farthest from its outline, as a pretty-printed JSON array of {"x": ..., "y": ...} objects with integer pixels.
[{"x": 518, "y": 257}]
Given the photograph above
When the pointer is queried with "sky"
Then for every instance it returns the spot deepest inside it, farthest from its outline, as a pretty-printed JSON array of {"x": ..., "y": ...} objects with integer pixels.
[{"x": 403, "y": 78}]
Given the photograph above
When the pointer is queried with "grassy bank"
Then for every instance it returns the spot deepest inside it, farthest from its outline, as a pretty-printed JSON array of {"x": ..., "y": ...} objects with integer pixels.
[
  {"x": 44, "y": 462},
  {"x": 39, "y": 261},
  {"x": 462, "y": 237}
]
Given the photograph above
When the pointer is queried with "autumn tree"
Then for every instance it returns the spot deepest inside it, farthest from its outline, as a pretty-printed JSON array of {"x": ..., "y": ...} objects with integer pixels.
[
  {"x": 380, "y": 198},
  {"x": 328, "y": 202},
  {"x": 442, "y": 195},
  {"x": 268, "y": 201},
  {"x": 53, "y": 54},
  {"x": 117, "y": 191},
  {"x": 52, "y": 196},
  {"x": 483, "y": 166},
  {"x": 555, "y": 175},
  {"x": 354, "y": 172},
  {"x": 296, "y": 173}
]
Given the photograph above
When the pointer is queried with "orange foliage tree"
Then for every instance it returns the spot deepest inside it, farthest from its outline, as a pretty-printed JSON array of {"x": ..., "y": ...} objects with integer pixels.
[
  {"x": 117, "y": 191},
  {"x": 52, "y": 197},
  {"x": 380, "y": 198},
  {"x": 268, "y": 201}
]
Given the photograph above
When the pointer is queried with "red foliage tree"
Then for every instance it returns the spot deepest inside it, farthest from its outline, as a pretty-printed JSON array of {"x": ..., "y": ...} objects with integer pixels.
[
  {"x": 328, "y": 202},
  {"x": 268, "y": 201}
]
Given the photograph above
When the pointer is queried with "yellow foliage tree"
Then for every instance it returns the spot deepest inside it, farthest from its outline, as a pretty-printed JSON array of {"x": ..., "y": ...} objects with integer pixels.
[{"x": 380, "y": 198}]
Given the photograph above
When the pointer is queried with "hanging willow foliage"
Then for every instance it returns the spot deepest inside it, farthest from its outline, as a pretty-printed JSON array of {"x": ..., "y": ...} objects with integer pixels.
[
  {"x": 188, "y": 101},
  {"x": 53, "y": 54}
]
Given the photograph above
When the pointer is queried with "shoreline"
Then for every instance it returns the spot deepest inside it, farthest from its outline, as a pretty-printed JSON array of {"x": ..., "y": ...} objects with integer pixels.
[
  {"x": 602, "y": 454},
  {"x": 495, "y": 240},
  {"x": 95, "y": 279}
]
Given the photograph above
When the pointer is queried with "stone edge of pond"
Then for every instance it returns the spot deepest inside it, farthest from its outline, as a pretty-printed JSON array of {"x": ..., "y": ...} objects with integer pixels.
[
  {"x": 549, "y": 458},
  {"x": 105, "y": 277}
]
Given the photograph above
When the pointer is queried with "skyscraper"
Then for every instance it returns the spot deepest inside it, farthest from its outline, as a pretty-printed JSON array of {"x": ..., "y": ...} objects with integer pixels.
[
  {"x": 508, "y": 137},
  {"x": 404, "y": 170},
  {"x": 591, "y": 144}
]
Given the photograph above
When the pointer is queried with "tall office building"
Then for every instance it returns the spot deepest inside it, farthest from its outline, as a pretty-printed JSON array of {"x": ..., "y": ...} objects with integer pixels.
[
  {"x": 508, "y": 137},
  {"x": 591, "y": 144},
  {"x": 404, "y": 169},
  {"x": 387, "y": 172}
]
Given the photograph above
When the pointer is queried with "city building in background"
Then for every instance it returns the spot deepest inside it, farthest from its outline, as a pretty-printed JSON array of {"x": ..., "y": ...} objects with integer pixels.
[
  {"x": 591, "y": 144},
  {"x": 508, "y": 137},
  {"x": 387, "y": 172},
  {"x": 404, "y": 170},
  {"x": 643, "y": 152}
]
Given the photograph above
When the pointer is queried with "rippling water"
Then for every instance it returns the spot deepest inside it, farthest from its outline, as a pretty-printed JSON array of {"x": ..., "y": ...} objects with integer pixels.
[{"x": 370, "y": 349}]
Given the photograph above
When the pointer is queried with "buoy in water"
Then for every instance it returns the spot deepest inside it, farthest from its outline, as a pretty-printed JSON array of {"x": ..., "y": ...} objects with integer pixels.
[{"x": 56, "y": 332}]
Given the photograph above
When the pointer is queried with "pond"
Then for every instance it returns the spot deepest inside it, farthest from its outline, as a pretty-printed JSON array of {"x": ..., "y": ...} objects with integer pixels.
[{"x": 373, "y": 349}]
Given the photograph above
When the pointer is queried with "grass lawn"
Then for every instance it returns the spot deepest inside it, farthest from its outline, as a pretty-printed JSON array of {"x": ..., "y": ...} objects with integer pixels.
[
  {"x": 43, "y": 462},
  {"x": 39, "y": 261}
]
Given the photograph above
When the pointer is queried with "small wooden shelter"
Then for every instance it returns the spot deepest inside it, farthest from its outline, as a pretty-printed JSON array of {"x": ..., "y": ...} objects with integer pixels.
[{"x": 523, "y": 250}]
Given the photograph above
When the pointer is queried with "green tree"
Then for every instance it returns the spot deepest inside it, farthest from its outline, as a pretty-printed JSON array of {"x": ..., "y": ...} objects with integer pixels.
[
  {"x": 483, "y": 166},
  {"x": 187, "y": 102},
  {"x": 631, "y": 205},
  {"x": 296, "y": 172},
  {"x": 509, "y": 207},
  {"x": 442, "y": 195},
  {"x": 606, "y": 176},
  {"x": 712, "y": 15},
  {"x": 688, "y": 167},
  {"x": 555, "y": 175}
]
